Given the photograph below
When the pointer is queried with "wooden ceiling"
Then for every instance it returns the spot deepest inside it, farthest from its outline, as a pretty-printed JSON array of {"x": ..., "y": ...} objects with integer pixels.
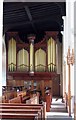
[{"x": 33, "y": 17}]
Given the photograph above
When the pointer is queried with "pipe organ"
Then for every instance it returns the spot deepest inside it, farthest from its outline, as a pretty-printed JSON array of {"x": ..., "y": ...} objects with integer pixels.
[
  {"x": 33, "y": 62},
  {"x": 30, "y": 60}
]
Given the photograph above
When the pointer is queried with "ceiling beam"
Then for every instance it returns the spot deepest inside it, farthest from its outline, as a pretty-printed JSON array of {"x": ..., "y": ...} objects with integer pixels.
[
  {"x": 28, "y": 13},
  {"x": 30, "y": 17},
  {"x": 56, "y": 19}
]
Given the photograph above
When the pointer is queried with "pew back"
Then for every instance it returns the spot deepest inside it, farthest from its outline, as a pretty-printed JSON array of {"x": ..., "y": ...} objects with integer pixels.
[
  {"x": 38, "y": 109},
  {"x": 15, "y": 100}
]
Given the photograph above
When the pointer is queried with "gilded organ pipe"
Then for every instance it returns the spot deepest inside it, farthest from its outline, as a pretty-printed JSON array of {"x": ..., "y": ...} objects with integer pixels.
[
  {"x": 31, "y": 39},
  {"x": 31, "y": 57},
  {"x": 53, "y": 55},
  {"x": 23, "y": 60},
  {"x": 51, "y": 59},
  {"x": 12, "y": 55},
  {"x": 40, "y": 60},
  {"x": 51, "y": 46},
  {"x": 49, "y": 55}
]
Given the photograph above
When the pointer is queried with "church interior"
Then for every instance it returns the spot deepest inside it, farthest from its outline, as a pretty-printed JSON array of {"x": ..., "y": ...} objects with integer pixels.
[{"x": 33, "y": 68}]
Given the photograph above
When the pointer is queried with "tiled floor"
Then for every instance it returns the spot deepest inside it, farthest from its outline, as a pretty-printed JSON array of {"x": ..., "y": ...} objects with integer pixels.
[{"x": 58, "y": 111}]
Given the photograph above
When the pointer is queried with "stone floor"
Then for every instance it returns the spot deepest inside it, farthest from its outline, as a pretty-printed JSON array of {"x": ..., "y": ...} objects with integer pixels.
[{"x": 58, "y": 111}]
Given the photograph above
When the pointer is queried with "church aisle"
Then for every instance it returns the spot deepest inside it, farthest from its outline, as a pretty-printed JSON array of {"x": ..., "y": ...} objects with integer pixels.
[{"x": 58, "y": 111}]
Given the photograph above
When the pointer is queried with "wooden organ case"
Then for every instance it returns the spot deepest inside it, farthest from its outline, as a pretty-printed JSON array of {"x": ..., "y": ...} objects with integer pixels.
[{"x": 33, "y": 63}]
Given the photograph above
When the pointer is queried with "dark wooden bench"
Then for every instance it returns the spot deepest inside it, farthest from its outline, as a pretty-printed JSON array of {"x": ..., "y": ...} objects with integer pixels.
[
  {"x": 24, "y": 116},
  {"x": 23, "y": 108},
  {"x": 23, "y": 111},
  {"x": 38, "y": 109},
  {"x": 15, "y": 100},
  {"x": 25, "y": 99}
]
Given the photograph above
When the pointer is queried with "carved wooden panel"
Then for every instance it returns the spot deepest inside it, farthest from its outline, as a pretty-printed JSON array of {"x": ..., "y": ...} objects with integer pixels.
[
  {"x": 56, "y": 87},
  {"x": 15, "y": 82}
]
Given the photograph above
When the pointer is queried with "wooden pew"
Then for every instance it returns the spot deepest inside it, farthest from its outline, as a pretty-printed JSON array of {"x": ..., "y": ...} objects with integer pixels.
[
  {"x": 22, "y": 93},
  {"x": 32, "y": 100},
  {"x": 25, "y": 99},
  {"x": 9, "y": 94},
  {"x": 15, "y": 100},
  {"x": 22, "y": 106},
  {"x": 32, "y": 108},
  {"x": 19, "y": 104},
  {"x": 24, "y": 116},
  {"x": 22, "y": 111},
  {"x": 28, "y": 108}
]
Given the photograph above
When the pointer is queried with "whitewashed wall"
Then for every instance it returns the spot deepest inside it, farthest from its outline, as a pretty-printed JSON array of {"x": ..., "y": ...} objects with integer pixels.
[
  {"x": 75, "y": 49},
  {"x": 68, "y": 40}
]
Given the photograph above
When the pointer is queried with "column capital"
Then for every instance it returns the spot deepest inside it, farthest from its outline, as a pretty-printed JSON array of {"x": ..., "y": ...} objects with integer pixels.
[{"x": 31, "y": 37}]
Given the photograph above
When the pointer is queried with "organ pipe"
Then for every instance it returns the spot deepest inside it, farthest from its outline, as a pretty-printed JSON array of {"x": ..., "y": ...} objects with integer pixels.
[
  {"x": 40, "y": 60},
  {"x": 51, "y": 59},
  {"x": 12, "y": 55},
  {"x": 31, "y": 39},
  {"x": 31, "y": 57},
  {"x": 51, "y": 54},
  {"x": 22, "y": 60},
  {"x": 36, "y": 60}
]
